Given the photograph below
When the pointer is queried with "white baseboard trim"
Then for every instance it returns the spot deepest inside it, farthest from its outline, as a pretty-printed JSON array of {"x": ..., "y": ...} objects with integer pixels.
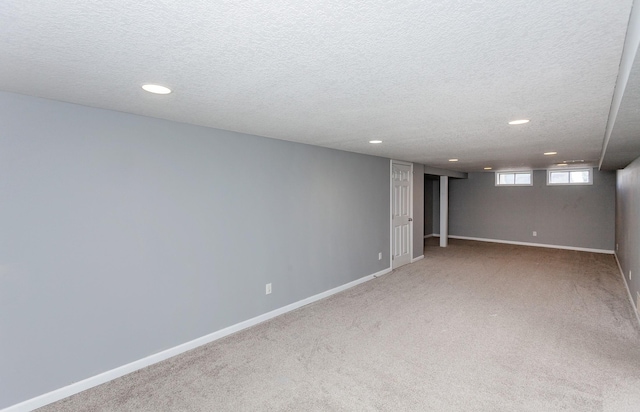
[
  {"x": 77, "y": 387},
  {"x": 417, "y": 258},
  {"x": 429, "y": 235},
  {"x": 511, "y": 242},
  {"x": 626, "y": 284}
]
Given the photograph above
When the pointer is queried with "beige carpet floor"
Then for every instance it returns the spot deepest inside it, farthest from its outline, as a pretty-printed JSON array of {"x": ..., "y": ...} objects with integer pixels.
[{"x": 473, "y": 327}]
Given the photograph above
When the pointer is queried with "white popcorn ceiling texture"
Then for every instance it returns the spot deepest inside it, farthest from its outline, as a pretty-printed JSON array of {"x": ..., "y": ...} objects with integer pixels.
[{"x": 432, "y": 79}]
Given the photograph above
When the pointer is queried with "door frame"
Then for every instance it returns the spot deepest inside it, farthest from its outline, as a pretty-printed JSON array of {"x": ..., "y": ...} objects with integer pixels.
[{"x": 391, "y": 163}]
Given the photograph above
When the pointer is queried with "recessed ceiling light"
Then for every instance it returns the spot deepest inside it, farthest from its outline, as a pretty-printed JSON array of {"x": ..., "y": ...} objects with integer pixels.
[
  {"x": 488, "y": 168},
  {"x": 550, "y": 153},
  {"x": 453, "y": 160},
  {"x": 375, "y": 141},
  {"x": 562, "y": 164},
  {"x": 156, "y": 88},
  {"x": 521, "y": 121}
]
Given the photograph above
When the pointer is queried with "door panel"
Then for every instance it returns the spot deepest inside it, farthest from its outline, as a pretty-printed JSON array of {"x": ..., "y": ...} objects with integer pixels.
[{"x": 401, "y": 214}]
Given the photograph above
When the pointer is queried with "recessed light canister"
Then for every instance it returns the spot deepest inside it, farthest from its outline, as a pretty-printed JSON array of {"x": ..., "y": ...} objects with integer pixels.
[
  {"x": 156, "y": 88},
  {"x": 375, "y": 141},
  {"x": 521, "y": 121},
  {"x": 453, "y": 160},
  {"x": 550, "y": 153}
]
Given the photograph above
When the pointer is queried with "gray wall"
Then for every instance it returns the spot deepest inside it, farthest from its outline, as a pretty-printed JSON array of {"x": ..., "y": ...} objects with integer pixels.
[
  {"x": 418, "y": 210},
  {"x": 573, "y": 216},
  {"x": 628, "y": 225},
  {"x": 124, "y": 235}
]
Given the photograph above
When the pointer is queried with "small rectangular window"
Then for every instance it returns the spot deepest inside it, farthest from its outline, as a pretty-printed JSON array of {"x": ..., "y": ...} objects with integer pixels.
[
  {"x": 569, "y": 177},
  {"x": 514, "y": 178}
]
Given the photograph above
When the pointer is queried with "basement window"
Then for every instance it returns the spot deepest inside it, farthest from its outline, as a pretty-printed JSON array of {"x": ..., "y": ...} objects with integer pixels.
[
  {"x": 514, "y": 178},
  {"x": 569, "y": 177}
]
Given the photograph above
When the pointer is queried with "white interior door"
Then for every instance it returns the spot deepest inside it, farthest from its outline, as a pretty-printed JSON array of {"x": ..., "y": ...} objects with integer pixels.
[{"x": 401, "y": 214}]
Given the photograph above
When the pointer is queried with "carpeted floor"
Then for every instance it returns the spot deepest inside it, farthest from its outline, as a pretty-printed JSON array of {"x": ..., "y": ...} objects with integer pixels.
[{"x": 473, "y": 327}]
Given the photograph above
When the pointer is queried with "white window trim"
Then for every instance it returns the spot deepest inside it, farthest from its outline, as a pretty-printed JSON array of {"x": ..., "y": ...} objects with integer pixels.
[
  {"x": 564, "y": 169},
  {"x": 497, "y": 174}
]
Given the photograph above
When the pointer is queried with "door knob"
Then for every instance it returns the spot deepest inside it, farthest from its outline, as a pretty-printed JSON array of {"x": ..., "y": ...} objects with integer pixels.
[{"x": 410, "y": 219}]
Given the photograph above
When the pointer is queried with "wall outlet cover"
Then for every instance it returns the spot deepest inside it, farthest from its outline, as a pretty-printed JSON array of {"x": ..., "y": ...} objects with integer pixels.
[
  {"x": 535, "y": 233},
  {"x": 268, "y": 289}
]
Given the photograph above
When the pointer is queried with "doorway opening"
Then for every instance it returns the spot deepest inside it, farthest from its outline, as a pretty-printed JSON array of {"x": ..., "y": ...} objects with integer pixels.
[{"x": 431, "y": 211}]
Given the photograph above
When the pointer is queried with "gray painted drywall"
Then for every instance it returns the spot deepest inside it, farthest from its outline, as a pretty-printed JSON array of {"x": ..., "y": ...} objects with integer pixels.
[
  {"x": 123, "y": 235},
  {"x": 628, "y": 225},
  {"x": 436, "y": 171},
  {"x": 572, "y": 216},
  {"x": 418, "y": 210},
  {"x": 428, "y": 206}
]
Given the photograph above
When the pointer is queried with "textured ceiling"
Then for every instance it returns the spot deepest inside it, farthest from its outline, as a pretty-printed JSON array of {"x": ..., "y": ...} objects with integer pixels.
[{"x": 433, "y": 80}]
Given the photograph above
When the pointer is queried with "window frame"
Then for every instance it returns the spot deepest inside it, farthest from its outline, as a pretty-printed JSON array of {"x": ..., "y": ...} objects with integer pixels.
[
  {"x": 514, "y": 172},
  {"x": 569, "y": 183}
]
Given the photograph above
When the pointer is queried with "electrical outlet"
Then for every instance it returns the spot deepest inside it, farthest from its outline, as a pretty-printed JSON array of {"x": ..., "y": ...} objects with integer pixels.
[
  {"x": 268, "y": 288},
  {"x": 380, "y": 256},
  {"x": 535, "y": 233},
  {"x": 617, "y": 246}
]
